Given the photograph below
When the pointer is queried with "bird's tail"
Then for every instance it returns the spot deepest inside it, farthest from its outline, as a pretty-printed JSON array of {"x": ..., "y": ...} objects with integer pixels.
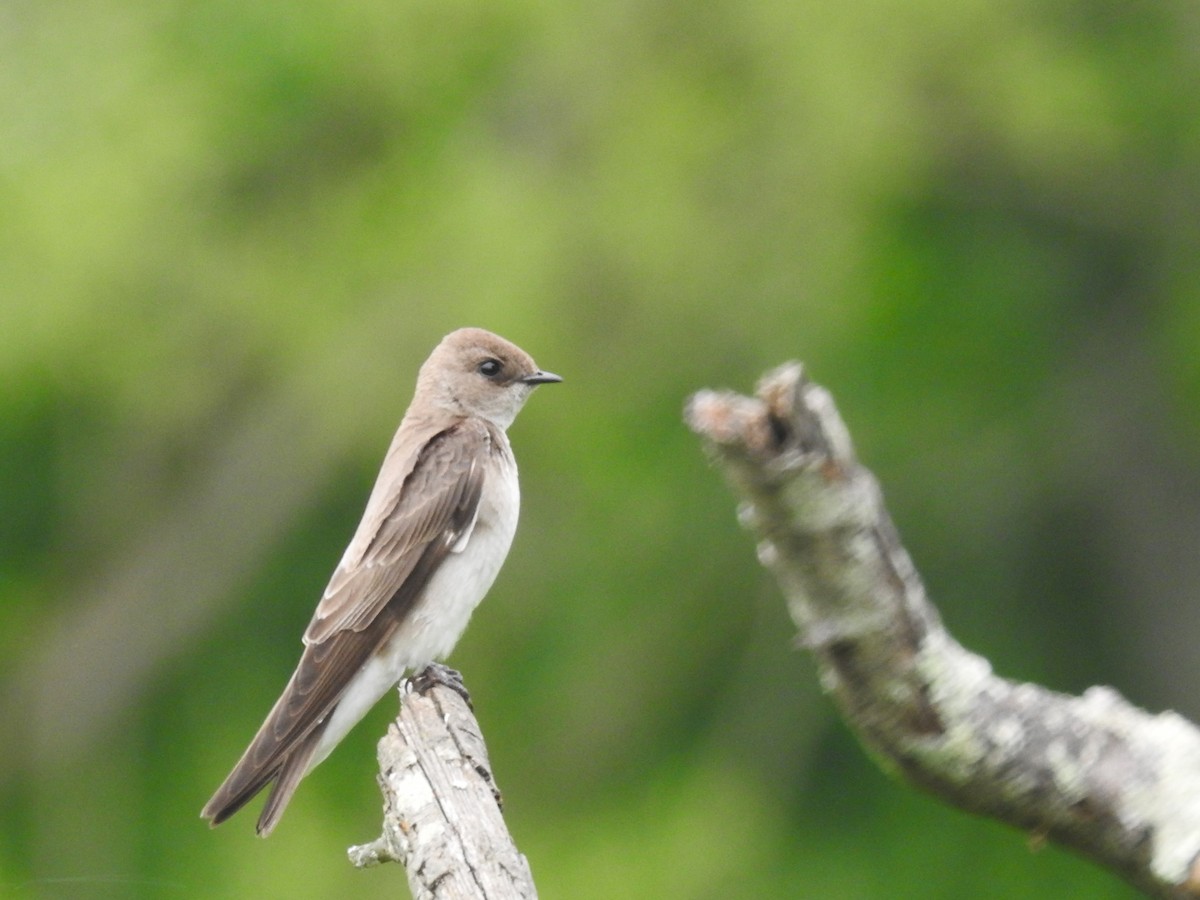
[
  {"x": 294, "y": 768},
  {"x": 248, "y": 778}
]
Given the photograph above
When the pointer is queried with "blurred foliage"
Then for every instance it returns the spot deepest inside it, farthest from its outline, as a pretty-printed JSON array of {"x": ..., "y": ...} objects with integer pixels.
[{"x": 230, "y": 232}]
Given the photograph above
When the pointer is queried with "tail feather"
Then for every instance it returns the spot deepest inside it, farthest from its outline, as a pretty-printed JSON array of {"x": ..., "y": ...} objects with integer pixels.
[
  {"x": 237, "y": 790},
  {"x": 246, "y": 780},
  {"x": 294, "y": 768},
  {"x": 271, "y": 753}
]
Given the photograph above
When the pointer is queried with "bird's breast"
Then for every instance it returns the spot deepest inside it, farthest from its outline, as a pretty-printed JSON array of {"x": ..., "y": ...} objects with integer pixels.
[{"x": 441, "y": 614}]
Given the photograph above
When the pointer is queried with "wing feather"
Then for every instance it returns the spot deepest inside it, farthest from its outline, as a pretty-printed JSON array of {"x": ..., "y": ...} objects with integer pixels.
[{"x": 438, "y": 501}]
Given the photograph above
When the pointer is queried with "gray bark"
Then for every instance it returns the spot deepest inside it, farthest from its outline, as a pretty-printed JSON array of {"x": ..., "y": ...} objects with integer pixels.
[
  {"x": 442, "y": 809},
  {"x": 1093, "y": 773}
]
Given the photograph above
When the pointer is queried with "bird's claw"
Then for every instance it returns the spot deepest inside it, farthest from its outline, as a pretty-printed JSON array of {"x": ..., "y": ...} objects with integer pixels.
[{"x": 436, "y": 674}]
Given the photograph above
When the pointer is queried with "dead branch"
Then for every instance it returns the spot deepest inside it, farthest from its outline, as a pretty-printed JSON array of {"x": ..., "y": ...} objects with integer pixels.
[
  {"x": 442, "y": 812},
  {"x": 1094, "y": 773}
]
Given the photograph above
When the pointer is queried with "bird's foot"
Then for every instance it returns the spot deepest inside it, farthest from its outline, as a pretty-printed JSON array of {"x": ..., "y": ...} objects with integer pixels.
[{"x": 436, "y": 674}]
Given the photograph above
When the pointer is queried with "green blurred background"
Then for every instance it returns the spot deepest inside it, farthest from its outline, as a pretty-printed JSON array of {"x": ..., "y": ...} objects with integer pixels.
[{"x": 230, "y": 232}]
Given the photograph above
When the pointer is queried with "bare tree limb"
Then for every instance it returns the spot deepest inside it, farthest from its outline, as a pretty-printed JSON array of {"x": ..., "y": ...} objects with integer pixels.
[
  {"x": 442, "y": 815},
  {"x": 1094, "y": 773}
]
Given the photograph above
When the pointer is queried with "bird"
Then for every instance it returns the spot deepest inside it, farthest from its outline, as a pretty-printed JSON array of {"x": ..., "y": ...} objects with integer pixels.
[{"x": 436, "y": 529}]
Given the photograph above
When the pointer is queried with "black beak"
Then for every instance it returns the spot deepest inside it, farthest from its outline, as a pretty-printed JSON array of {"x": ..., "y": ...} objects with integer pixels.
[{"x": 541, "y": 377}]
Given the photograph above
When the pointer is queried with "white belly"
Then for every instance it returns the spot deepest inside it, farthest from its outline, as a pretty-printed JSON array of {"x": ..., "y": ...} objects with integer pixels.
[{"x": 441, "y": 614}]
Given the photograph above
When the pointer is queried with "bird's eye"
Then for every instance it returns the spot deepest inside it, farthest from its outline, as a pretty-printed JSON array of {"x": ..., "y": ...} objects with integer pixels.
[{"x": 490, "y": 368}]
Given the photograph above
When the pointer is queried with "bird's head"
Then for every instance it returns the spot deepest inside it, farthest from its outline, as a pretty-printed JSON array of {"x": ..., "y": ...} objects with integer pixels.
[{"x": 473, "y": 372}]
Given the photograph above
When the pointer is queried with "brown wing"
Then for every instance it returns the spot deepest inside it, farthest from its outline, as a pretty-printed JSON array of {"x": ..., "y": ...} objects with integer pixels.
[
  {"x": 446, "y": 480},
  {"x": 435, "y": 509}
]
